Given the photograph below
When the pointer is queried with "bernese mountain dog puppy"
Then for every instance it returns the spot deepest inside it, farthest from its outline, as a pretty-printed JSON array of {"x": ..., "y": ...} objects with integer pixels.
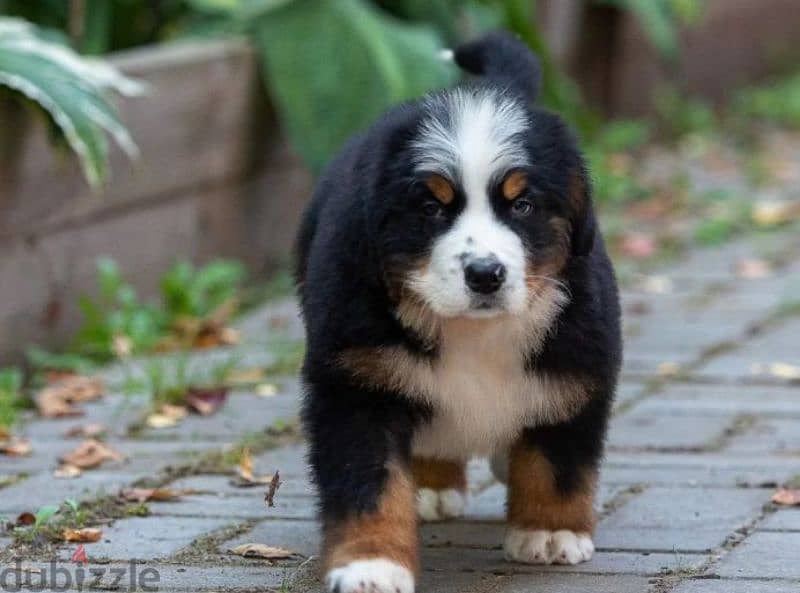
[{"x": 458, "y": 302}]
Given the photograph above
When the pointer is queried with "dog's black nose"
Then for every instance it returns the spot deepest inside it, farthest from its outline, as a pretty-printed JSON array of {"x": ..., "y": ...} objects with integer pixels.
[{"x": 485, "y": 275}]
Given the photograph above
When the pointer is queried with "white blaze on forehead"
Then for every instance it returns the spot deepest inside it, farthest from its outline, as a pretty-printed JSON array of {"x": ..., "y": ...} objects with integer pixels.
[{"x": 472, "y": 138}]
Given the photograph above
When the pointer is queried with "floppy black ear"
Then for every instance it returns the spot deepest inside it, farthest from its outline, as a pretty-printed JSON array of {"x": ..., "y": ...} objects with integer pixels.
[{"x": 584, "y": 223}]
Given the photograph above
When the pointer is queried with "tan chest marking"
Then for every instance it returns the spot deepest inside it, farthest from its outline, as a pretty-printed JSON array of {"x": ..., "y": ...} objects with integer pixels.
[{"x": 478, "y": 387}]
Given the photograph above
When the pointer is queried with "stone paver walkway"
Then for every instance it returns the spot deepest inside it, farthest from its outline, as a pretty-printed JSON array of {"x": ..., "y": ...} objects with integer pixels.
[{"x": 705, "y": 429}]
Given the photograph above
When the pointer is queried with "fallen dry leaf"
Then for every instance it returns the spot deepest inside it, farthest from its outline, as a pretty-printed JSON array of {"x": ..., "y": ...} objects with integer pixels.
[
  {"x": 66, "y": 471},
  {"x": 787, "y": 496},
  {"x": 266, "y": 390},
  {"x": 668, "y": 369},
  {"x": 92, "y": 430},
  {"x": 775, "y": 212},
  {"x": 206, "y": 401},
  {"x": 167, "y": 416},
  {"x": 753, "y": 269},
  {"x": 272, "y": 488},
  {"x": 57, "y": 400},
  {"x": 154, "y": 494},
  {"x": 638, "y": 245},
  {"x": 15, "y": 446},
  {"x": 656, "y": 284},
  {"x": 91, "y": 453},
  {"x": 262, "y": 551},
  {"x": 121, "y": 346},
  {"x": 245, "y": 376},
  {"x": 84, "y": 535},
  {"x": 25, "y": 519},
  {"x": 245, "y": 476}
]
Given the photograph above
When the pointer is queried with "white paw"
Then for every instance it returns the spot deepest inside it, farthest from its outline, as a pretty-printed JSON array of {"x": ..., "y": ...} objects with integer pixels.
[
  {"x": 540, "y": 546},
  {"x": 435, "y": 505},
  {"x": 377, "y": 575}
]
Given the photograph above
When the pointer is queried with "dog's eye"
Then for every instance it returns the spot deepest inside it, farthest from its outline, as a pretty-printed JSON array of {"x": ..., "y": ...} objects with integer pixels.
[
  {"x": 521, "y": 207},
  {"x": 432, "y": 209}
]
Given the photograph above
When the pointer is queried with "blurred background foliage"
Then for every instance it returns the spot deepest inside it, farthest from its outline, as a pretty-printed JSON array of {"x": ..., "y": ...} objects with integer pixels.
[{"x": 332, "y": 66}]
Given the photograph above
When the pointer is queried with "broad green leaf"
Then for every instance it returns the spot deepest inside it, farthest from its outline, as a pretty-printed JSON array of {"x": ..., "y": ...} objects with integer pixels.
[
  {"x": 334, "y": 66},
  {"x": 73, "y": 90},
  {"x": 43, "y": 515}
]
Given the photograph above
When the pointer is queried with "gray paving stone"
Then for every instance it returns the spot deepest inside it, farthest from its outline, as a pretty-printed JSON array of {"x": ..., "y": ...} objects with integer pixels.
[
  {"x": 627, "y": 392},
  {"x": 732, "y": 586},
  {"x": 291, "y": 485},
  {"x": 693, "y": 476},
  {"x": 242, "y": 413},
  {"x": 769, "y": 435},
  {"x": 692, "y": 509},
  {"x": 717, "y": 461},
  {"x": 777, "y": 345},
  {"x": 740, "y": 399},
  {"x": 573, "y": 583},
  {"x": 469, "y": 534},
  {"x": 641, "y": 429},
  {"x": 41, "y": 489},
  {"x": 289, "y": 460},
  {"x": 246, "y": 507},
  {"x": 302, "y": 537},
  {"x": 782, "y": 520},
  {"x": 148, "y": 538},
  {"x": 602, "y": 563},
  {"x": 763, "y": 555}
]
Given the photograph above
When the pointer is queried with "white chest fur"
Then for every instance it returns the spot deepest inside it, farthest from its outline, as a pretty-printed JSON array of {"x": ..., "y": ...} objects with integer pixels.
[{"x": 481, "y": 394}]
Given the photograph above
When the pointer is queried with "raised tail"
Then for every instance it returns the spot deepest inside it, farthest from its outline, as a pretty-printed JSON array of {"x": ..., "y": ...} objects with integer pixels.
[{"x": 503, "y": 59}]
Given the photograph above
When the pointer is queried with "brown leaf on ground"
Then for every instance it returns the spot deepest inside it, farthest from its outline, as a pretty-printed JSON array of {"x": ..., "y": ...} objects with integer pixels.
[
  {"x": 272, "y": 488},
  {"x": 782, "y": 370},
  {"x": 787, "y": 497},
  {"x": 58, "y": 399},
  {"x": 154, "y": 494},
  {"x": 206, "y": 401},
  {"x": 245, "y": 376},
  {"x": 67, "y": 471},
  {"x": 262, "y": 551},
  {"x": 91, "y": 453},
  {"x": 638, "y": 245},
  {"x": 245, "y": 477},
  {"x": 753, "y": 269},
  {"x": 15, "y": 446},
  {"x": 25, "y": 519},
  {"x": 92, "y": 430},
  {"x": 167, "y": 416},
  {"x": 84, "y": 535},
  {"x": 266, "y": 390},
  {"x": 767, "y": 213}
]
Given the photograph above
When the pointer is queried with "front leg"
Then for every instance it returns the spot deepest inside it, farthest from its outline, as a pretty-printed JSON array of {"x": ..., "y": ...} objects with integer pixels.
[
  {"x": 441, "y": 488},
  {"x": 552, "y": 478},
  {"x": 360, "y": 457}
]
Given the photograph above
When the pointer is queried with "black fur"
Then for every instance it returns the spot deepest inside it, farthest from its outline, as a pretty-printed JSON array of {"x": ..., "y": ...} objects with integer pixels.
[{"x": 357, "y": 229}]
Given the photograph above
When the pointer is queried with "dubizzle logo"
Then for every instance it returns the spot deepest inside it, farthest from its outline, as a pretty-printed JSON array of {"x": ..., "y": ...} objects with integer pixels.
[
  {"x": 78, "y": 576},
  {"x": 79, "y": 555}
]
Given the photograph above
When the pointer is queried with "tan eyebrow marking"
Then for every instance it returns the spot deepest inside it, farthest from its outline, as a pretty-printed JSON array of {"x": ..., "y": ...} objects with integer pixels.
[
  {"x": 514, "y": 184},
  {"x": 440, "y": 188}
]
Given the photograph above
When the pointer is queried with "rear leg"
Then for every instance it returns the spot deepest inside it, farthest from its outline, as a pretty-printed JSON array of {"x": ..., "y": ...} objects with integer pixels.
[{"x": 441, "y": 488}]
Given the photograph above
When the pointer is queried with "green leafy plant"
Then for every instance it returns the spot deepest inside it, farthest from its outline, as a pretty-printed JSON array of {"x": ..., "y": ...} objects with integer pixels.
[
  {"x": 777, "y": 103},
  {"x": 10, "y": 396},
  {"x": 71, "y": 90},
  {"x": 116, "y": 312},
  {"x": 608, "y": 155},
  {"x": 380, "y": 61},
  {"x": 192, "y": 292},
  {"x": 117, "y": 322}
]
